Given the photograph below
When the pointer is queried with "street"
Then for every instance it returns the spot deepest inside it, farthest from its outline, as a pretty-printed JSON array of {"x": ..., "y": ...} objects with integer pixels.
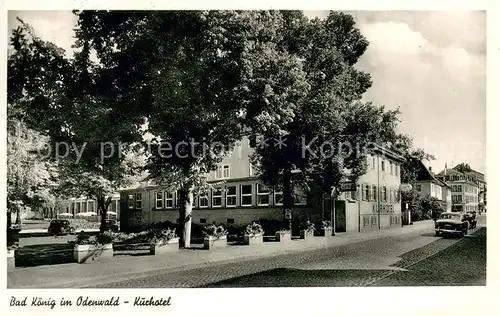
[{"x": 413, "y": 259}]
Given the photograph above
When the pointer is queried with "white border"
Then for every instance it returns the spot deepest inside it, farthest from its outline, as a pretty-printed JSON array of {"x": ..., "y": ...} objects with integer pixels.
[{"x": 299, "y": 301}]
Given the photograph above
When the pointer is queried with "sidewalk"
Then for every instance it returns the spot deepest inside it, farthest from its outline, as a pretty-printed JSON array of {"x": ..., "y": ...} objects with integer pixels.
[{"x": 78, "y": 275}]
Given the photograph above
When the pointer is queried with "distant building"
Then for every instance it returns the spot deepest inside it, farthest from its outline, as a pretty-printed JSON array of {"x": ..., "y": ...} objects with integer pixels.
[
  {"x": 428, "y": 184},
  {"x": 464, "y": 190},
  {"x": 77, "y": 206},
  {"x": 238, "y": 198},
  {"x": 481, "y": 181}
]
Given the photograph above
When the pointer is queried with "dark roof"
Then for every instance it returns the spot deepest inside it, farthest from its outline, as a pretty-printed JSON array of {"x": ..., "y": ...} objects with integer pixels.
[{"x": 424, "y": 174}]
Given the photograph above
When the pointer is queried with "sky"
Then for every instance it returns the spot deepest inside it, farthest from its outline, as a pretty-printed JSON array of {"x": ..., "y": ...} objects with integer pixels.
[{"x": 430, "y": 64}]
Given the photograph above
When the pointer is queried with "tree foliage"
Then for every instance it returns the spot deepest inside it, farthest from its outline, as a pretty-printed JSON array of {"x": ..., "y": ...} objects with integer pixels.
[
  {"x": 31, "y": 178},
  {"x": 422, "y": 206},
  {"x": 330, "y": 116},
  {"x": 199, "y": 79},
  {"x": 403, "y": 144},
  {"x": 66, "y": 99}
]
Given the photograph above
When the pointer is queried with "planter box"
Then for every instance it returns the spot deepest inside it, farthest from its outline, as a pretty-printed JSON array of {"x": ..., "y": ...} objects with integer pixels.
[
  {"x": 253, "y": 239},
  {"x": 11, "y": 259},
  {"x": 214, "y": 242},
  {"x": 326, "y": 232},
  {"x": 91, "y": 253},
  {"x": 283, "y": 236},
  {"x": 304, "y": 234},
  {"x": 164, "y": 247}
]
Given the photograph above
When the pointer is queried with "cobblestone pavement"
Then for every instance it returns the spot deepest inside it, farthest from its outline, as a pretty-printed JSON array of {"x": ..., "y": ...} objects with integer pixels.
[
  {"x": 360, "y": 264},
  {"x": 464, "y": 263}
]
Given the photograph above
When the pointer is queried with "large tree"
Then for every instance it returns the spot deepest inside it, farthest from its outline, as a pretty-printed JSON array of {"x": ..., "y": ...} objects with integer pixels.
[
  {"x": 329, "y": 114},
  {"x": 31, "y": 177},
  {"x": 67, "y": 100},
  {"x": 199, "y": 79}
]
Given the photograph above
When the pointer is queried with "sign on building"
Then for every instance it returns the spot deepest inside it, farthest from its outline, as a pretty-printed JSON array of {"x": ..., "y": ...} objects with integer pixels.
[{"x": 347, "y": 186}]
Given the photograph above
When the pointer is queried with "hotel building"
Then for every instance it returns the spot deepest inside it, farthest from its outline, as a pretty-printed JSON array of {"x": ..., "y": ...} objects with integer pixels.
[{"x": 237, "y": 197}]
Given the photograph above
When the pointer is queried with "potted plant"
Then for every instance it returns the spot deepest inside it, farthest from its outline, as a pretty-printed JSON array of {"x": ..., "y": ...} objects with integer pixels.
[
  {"x": 307, "y": 230},
  {"x": 253, "y": 234},
  {"x": 163, "y": 241},
  {"x": 326, "y": 228},
  {"x": 92, "y": 248},
  {"x": 215, "y": 236},
  {"x": 283, "y": 235}
]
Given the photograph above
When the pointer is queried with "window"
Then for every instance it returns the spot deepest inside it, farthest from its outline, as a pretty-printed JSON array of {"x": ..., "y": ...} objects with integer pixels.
[
  {"x": 131, "y": 201},
  {"x": 230, "y": 220},
  {"x": 203, "y": 200},
  {"x": 396, "y": 168},
  {"x": 222, "y": 172},
  {"x": 278, "y": 198},
  {"x": 177, "y": 199},
  {"x": 231, "y": 196},
  {"x": 374, "y": 188},
  {"x": 262, "y": 195},
  {"x": 169, "y": 200},
  {"x": 159, "y": 200},
  {"x": 418, "y": 187},
  {"x": 384, "y": 194},
  {"x": 91, "y": 206},
  {"x": 218, "y": 173},
  {"x": 383, "y": 165},
  {"x": 203, "y": 220},
  {"x": 371, "y": 195},
  {"x": 390, "y": 168},
  {"x": 138, "y": 200},
  {"x": 216, "y": 197},
  {"x": 373, "y": 162},
  {"x": 366, "y": 193},
  {"x": 246, "y": 195},
  {"x": 354, "y": 194}
]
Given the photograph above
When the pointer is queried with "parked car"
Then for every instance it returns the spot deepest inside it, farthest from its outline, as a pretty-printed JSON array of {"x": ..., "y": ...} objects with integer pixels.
[
  {"x": 451, "y": 223},
  {"x": 471, "y": 217},
  {"x": 60, "y": 227},
  {"x": 111, "y": 225}
]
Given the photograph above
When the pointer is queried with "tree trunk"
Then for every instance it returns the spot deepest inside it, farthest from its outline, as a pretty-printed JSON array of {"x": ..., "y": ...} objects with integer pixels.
[
  {"x": 18, "y": 216},
  {"x": 287, "y": 196},
  {"x": 185, "y": 215},
  {"x": 102, "y": 205}
]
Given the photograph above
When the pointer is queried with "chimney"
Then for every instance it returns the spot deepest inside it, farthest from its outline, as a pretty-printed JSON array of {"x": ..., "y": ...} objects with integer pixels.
[
  {"x": 445, "y": 168},
  {"x": 430, "y": 169}
]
